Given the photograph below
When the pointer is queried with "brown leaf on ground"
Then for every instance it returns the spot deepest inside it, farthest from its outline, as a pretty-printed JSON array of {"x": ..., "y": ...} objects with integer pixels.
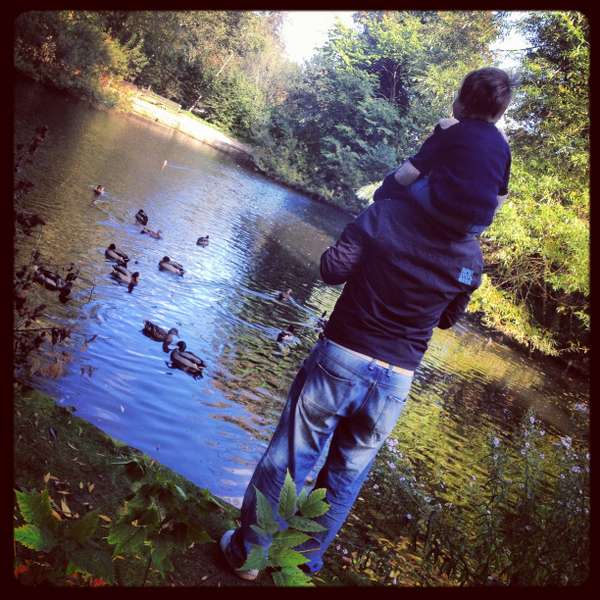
[
  {"x": 91, "y": 487},
  {"x": 105, "y": 518},
  {"x": 65, "y": 508},
  {"x": 71, "y": 446}
]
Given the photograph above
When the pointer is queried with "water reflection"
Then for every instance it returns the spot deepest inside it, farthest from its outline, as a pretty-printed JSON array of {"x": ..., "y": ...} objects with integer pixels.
[{"x": 263, "y": 239}]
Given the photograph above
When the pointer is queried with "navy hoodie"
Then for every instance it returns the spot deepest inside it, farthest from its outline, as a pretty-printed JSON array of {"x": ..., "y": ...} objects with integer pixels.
[{"x": 405, "y": 274}]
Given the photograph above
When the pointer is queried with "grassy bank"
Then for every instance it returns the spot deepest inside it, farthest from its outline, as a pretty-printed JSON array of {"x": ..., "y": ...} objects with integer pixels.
[{"x": 49, "y": 439}]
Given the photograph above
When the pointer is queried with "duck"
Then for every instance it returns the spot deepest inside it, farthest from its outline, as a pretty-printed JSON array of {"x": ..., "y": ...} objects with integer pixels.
[
  {"x": 202, "y": 241},
  {"x": 121, "y": 274},
  {"x": 141, "y": 217},
  {"x": 166, "y": 264},
  {"x": 187, "y": 361},
  {"x": 154, "y": 234},
  {"x": 99, "y": 190},
  {"x": 286, "y": 335},
  {"x": 285, "y": 296},
  {"x": 50, "y": 280},
  {"x": 159, "y": 334},
  {"x": 113, "y": 253}
]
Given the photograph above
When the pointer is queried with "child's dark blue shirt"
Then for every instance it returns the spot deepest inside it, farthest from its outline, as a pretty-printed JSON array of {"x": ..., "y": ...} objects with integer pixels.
[{"x": 468, "y": 165}]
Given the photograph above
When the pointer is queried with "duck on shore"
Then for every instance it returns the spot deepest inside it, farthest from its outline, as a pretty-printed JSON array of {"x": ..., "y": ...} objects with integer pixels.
[
  {"x": 54, "y": 282},
  {"x": 166, "y": 264},
  {"x": 122, "y": 275},
  {"x": 285, "y": 296},
  {"x": 159, "y": 334},
  {"x": 202, "y": 241},
  {"x": 99, "y": 190},
  {"x": 141, "y": 217},
  {"x": 153, "y": 234},
  {"x": 286, "y": 335},
  {"x": 186, "y": 361},
  {"x": 113, "y": 253}
]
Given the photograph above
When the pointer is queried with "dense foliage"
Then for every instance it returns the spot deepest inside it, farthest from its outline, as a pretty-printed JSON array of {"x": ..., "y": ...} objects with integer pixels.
[
  {"x": 360, "y": 106},
  {"x": 537, "y": 249}
]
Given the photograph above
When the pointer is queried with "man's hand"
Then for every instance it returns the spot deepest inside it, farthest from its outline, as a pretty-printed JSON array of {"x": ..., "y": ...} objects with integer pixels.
[{"x": 406, "y": 174}]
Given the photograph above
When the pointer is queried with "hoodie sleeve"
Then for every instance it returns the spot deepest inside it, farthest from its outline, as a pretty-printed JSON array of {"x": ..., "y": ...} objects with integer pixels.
[
  {"x": 340, "y": 260},
  {"x": 389, "y": 188},
  {"x": 454, "y": 310}
]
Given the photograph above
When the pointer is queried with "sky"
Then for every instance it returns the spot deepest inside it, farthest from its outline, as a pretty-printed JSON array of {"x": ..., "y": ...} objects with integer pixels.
[{"x": 304, "y": 31}]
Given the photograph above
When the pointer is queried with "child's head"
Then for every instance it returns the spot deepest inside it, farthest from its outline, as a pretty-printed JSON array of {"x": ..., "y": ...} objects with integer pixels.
[{"x": 484, "y": 94}]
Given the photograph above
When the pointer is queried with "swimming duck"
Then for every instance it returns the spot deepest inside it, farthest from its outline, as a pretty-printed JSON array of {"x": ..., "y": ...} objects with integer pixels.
[
  {"x": 121, "y": 274},
  {"x": 285, "y": 296},
  {"x": 51, "y": 281},
  {"x": 141, "y": 217},
  {"x": 287, "y": 335},
  {"x": 113, "y": 253},
  {"x": 99, "y": 190},
  {"x": 158, "y": 333},
  {"x": 154, "y": 234},
  {"x": 187, "y": 361},
  {"x": 202, "y": 241},
  {"x": 166, "y": 264}
]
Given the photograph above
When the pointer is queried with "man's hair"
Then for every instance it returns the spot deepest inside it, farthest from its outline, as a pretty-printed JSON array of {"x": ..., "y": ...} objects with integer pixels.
[{"x": 486, "y": 92}]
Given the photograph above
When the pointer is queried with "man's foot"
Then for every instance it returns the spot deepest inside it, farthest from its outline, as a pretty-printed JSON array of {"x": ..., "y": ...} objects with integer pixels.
[{"x": 250, "y": 575}]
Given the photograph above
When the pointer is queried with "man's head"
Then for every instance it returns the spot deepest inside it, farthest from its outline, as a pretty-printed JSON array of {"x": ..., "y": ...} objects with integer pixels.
[{"x": 484, "y": 94}]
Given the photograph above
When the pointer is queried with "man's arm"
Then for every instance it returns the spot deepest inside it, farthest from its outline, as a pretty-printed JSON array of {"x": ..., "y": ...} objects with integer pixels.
[
  {"x": 339, "y": 261},
  {"x": 454, "y": 310}
]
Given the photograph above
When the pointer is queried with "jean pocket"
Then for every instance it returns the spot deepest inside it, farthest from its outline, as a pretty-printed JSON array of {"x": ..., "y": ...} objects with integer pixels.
[
  {"x": 327, "y": 390},
  {"x": 391, "y": 410}
]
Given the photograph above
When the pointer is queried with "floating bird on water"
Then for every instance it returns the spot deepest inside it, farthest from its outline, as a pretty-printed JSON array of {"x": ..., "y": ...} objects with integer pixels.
[
  {"x": 186, "y": 361},
  {"x": 154, "y": 234},
  {"x": 159, "y": 334},
  {"x": 166, "y": 264},
  {"x": 286, "y": 335},
  {"x": 113, "y": 253},
  {"x": 141, "y": 217},
  {"x": 122, "y": 275},
  {"x": 202, "y": 241},
  {"x": 285, "y": 296}
]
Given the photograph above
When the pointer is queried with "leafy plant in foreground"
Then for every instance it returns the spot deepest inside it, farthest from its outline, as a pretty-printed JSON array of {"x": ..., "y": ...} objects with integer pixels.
[
  {"x": 298, "y": 513},
  {"x": 159, "y": 518},
  {"x": 66, "y": 547}
]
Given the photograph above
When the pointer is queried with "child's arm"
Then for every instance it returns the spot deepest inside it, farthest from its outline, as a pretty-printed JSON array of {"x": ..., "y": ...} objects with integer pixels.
[{"x": 395, "y": 182}]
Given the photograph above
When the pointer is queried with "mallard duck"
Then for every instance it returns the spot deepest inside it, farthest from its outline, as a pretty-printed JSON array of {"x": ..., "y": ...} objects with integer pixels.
[
  {"x": 285, "y": 296},
  {"x": 99, "y": 190},
  {"x": 287, "y": 335},
  {"x": 141, "y": 217},
  {"x": 166, "y": 264},
  {"x": 122, "y": 275},
  {"x": 158, "y": 333},
  {"x": 185, "y": 360},
  {"x": 50, "y": 280},
  {"x": 154, "y": 234},
  {"x": 202, "y": 241},
  {"x": 113, "y": 253}
]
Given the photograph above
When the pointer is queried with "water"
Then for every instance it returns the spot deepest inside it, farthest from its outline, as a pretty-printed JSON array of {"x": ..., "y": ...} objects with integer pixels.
[{"x": 263, "y": 238}]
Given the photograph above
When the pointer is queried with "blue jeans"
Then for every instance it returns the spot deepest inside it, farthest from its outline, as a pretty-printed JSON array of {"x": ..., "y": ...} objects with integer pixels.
[{"x": 342, "y": 403}]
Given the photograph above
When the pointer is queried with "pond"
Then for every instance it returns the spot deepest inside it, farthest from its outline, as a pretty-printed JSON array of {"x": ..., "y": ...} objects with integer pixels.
[{"x": 264, "y": 238}]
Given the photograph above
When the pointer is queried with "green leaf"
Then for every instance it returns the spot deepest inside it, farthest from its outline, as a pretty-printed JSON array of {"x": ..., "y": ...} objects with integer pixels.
[
  {"x": 126, "y": 538},
  {"x": 314, "y": 506},
  {"x": 181, "y": 492},
  {"x": 289, "y": 538},
  {"x": 292, "y": 576},
  {"x": 197, "y": 535},
  {"x": 35, "y": 508},
  {"x": 84, "y": 528},
  {"x": 302, "y": 497},
  {"x": 285, "y": 557},
  {"x": 287, "y": 497},
  {"x": 255, "y": 560},
  {"x": 304, "y": 524},
  {"x": 264, "y": 514},
  {"x": 93, "y": 561},
  {"x": 260, "y": 531},
  {"x": 31, "y": 536}
]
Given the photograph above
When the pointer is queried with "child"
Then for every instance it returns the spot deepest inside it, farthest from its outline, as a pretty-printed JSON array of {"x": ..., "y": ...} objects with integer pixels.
[{"x": 461, "y": 172}]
